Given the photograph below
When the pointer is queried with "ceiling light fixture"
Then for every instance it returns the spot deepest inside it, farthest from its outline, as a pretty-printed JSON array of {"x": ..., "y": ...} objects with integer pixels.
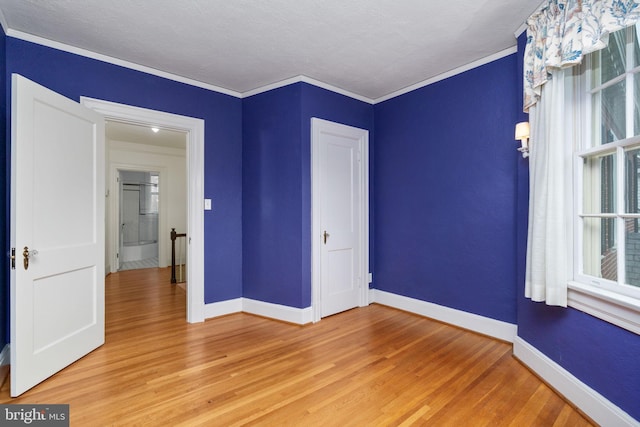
[{"x": 155, "y": 129}]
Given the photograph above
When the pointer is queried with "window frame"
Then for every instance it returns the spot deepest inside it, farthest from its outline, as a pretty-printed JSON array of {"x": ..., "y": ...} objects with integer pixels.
[{"x": 606, "y": 299}]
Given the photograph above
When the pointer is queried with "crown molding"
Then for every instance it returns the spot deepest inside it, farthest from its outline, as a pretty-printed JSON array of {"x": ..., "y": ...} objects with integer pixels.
[
  {"x": 309, "y": 80},
  {"x": 451, "y": 73},
  {"x": 112, "y": 60},
  {"x": 271, "y": 86},
  {"x": 521, "y": 29},
  {"x": 297, "y": 79},
  {"x": 3, "y": 22}
]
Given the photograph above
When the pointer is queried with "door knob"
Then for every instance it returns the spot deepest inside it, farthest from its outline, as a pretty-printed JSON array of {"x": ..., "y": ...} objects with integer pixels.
[
  {"x": 325, "y": 235},
  {"x": 26, "y": 254}
]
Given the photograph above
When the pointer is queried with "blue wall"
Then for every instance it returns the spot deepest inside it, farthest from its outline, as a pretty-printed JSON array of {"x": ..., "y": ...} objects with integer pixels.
[
  {"x": 445, "y": 192},
  {"x": 74, "y": 76},
  {"x": 277, "y": 186},
  {"x": 603, "y": 356},
  {"x": 271, "y": 198}
]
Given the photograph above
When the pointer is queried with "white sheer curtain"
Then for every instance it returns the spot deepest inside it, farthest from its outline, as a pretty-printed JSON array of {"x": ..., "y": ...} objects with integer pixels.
[{"x": 549, "y": 235}]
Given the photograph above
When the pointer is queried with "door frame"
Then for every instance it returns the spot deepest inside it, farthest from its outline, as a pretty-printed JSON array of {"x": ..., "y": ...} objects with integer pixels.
[
  {"x": 318, "y": 127},
  {"x": 114, "y": 206},
  {"x": 195, "y": 182}
]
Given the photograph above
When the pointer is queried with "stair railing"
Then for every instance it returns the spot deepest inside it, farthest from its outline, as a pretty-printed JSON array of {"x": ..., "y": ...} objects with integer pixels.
[{"x": 174, "y": 236}]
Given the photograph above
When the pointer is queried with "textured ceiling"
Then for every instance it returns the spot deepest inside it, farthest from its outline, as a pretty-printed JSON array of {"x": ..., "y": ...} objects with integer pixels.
[{"x": 370, "y": 48}]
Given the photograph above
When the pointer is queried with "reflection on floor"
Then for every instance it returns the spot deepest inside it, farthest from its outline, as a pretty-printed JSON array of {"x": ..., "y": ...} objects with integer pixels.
[{"x": 141, "y": 263}]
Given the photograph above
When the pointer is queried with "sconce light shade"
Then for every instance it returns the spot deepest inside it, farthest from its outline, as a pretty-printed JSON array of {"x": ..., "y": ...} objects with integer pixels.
[
  {"x": 522, "y": 133},
  {"x": 522, "y": 130}
]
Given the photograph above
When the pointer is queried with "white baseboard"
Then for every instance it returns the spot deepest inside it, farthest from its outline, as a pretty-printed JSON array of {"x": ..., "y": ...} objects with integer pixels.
[
  {"x": 592, "y": 403},
  {"x": 473, "y": 322},
  {"x": 5, "y": 355},
  {"x": 216, "y": 309},
  {"x": 299, "y": 316}
]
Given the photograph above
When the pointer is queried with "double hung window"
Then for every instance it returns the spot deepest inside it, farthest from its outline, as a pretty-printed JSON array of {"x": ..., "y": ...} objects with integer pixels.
[{"x": 607, "y": 168}]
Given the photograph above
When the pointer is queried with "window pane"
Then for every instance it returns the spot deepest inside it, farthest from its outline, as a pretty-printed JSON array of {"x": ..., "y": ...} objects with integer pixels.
[
  {"x": 609, "y": 62},
  {"x": 632, "y": 252},
  {"x": 609, "y": 117},
  {"x": 599, "y": 252},
  {"x": 599, "y": 184},
  {"x": 632, "y": 195}
]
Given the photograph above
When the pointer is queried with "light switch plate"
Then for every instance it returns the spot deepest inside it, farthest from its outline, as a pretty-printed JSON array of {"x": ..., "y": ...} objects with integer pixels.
[{"x": 207, "y": 204}]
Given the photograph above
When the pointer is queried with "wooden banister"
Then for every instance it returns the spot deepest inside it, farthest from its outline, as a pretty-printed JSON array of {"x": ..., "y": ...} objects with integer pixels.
[{"x": 174, "y": 236}]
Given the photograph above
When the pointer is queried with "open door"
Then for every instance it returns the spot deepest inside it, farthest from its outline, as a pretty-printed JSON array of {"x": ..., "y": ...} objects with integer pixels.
[{"x": 57, "y": 230}]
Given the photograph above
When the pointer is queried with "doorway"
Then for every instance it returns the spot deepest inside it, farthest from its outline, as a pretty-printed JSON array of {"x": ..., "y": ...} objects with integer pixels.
[
  {"x": 147, "y": 184},
  {"x": 138, "y": 219},
  {"x": 194, "y": 130},
  {"x": 340, "y": 218}
]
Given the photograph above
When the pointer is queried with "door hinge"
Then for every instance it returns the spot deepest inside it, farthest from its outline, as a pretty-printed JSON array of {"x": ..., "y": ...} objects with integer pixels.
[{"x": 13, "y": 258}]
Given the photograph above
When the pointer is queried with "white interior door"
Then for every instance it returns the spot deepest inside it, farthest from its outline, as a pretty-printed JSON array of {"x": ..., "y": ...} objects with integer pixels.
[
  {"x": 57, "y": 230},
  {"x": 341, "y": 226}
]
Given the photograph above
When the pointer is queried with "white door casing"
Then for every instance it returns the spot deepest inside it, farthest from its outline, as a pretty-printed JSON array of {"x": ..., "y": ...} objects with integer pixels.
[
  {"x": 57, "y": 212},
  {"x": 340, "y": 217},
  {"x": 195, "y": 166}
]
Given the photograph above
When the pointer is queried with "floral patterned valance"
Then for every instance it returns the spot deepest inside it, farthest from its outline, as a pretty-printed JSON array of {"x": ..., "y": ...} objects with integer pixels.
[{"x": 561, "y": 32}]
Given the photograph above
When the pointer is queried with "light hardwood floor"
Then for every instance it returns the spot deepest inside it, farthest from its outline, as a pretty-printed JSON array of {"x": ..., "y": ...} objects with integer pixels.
[{"x": 373, "y": 366}]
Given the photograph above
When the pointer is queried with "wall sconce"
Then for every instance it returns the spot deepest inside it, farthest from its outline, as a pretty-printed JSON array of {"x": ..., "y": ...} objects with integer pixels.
[{"x": 522, "y": 133}]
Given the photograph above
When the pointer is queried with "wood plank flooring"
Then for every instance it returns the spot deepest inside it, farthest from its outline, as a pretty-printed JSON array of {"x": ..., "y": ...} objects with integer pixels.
[{"x": 373, "y": 366}]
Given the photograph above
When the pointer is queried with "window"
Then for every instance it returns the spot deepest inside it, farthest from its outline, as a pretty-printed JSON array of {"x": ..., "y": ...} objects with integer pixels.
[
  {"x": 607, "y": 171},
  {"x": 154, "y": 180}
]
